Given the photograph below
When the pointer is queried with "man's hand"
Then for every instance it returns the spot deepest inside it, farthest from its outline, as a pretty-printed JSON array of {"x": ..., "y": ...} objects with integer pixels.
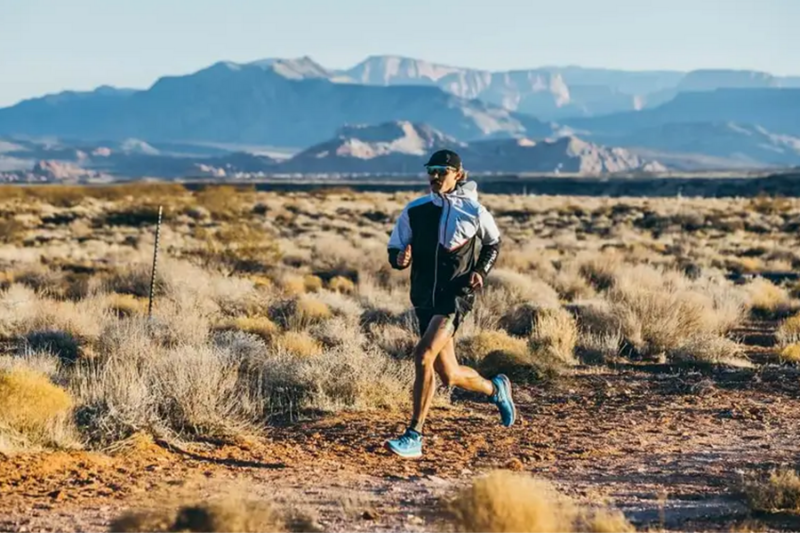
[
  {"x": 404, "y": 257},
  {"x": 476, "y": 281}
]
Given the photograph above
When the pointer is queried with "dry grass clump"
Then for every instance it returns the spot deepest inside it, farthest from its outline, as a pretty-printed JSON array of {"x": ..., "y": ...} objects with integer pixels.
[
  {"x": 341, "y": 284},
  {"x": 788, "y": 331},
  {"x": 555, "y": 334},
  {"x": 33, "y": 410},
  {"x": 511, "y": 502},
  {"x": 312, "y": 283},
  {"x": 300, "y": 313},
  {"x": 516, "y": 287},
  {"x": 260, "y": 326},
  {"x": 126, "y": 305},
  {"x": 790, "y": 353},
  {"x": 660, "y": 313},
  {"x": 394, "y": 340},
  {"x": 779, "y": 492},
  {"x": 496, "y": 352},
  {"x": 298, "y": 343},
  {"x": 221, "y": 514},
  {"x": 237, "y": 248},
  {"x": 713, "y": 350},
  {"x": 766, "y": 298}
]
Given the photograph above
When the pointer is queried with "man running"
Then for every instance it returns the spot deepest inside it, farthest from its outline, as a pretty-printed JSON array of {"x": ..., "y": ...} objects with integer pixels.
[{"x": 442, "y": 231}]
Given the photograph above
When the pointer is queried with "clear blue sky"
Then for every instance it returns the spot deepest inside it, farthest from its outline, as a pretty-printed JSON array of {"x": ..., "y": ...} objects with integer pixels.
[{"x": 52, "y": 45}]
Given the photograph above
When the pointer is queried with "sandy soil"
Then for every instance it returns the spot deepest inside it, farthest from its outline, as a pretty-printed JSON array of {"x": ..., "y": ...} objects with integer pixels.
[{"x": 667, "y": 445}]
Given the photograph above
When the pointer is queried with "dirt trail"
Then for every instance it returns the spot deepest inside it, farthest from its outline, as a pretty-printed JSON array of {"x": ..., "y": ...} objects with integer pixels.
[{"x": 658, "y": 442}]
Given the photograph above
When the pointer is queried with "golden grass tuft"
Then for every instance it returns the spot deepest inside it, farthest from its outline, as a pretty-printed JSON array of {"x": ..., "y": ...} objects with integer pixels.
[
  {"x": 309, "y": 310},
  {"x": 788, "y": 331},
  {"x": 766, "y": 298},
  {"x": 31, "y": 406},
  {"x": 497, "y": 352},
  {"x": 342, "y": 284},
  {"x": 126, "y": 305},
  {"x": 224, "y": 514},
  {"x": 506, "y": 501},
  {"x": 555, "y": 335},
  {"x": 298, "y": 343},
  {"x": 312, "y": 283},
  {"x": 779, "y": 492},
  {"x": 260, "y": 326},
  {"x": 292, "y": 284},
  {"x": 477, "y": 347},
  {"x": 790, "y": 353}
]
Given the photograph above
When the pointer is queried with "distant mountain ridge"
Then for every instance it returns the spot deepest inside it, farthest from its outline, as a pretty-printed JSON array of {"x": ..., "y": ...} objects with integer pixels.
[
  {"x": 398, "y": 147},
  {"x": 280, "y": 103},
  {"x": 713, "y": 116}
]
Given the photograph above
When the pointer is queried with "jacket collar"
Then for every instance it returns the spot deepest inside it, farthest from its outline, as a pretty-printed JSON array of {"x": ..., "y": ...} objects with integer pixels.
[{"x": 466, "y": 190}]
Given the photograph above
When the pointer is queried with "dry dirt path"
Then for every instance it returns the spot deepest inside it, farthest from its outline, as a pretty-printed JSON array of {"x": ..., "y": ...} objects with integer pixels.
[{"x": 668, "y": 446}]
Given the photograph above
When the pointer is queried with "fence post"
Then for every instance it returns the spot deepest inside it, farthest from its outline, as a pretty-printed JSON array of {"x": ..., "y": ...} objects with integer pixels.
[{"x": 155, "y": 263}]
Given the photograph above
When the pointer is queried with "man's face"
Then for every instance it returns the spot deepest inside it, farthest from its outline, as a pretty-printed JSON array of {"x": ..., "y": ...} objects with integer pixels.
[{"x": 443, "y": 179}]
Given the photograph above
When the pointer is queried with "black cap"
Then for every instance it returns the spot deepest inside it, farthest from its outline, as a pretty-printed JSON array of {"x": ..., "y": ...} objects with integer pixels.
[{"x": 444, "y": 158}]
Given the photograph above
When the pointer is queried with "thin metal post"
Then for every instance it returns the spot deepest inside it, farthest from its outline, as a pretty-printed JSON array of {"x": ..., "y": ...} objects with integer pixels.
[{"x": 155, "y": 263}]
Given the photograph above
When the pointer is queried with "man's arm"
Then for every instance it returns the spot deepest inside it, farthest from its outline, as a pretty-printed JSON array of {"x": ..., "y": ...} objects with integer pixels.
[
  {"x": 490, "y": 243},
  {"x": 399, "y": 241}
]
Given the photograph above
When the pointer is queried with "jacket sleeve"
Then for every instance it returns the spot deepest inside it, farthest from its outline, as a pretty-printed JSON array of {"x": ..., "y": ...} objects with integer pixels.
[
  {"x": 399, "y": 239},
  {"x": 490, "y": 243}
]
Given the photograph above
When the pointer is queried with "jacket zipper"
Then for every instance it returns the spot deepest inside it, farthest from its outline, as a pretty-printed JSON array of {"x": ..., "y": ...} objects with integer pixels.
[{"x": 436, "y": 254}]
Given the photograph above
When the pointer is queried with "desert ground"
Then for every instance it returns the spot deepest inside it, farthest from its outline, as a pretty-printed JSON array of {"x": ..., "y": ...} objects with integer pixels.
[{"x": 653, "y": 346}]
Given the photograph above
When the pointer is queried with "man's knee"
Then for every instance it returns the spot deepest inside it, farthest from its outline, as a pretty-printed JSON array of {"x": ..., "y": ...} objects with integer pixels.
[{"x": 424, "y": 356}]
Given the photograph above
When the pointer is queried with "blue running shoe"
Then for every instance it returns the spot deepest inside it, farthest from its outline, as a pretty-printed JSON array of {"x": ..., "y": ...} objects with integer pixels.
[
  {"x": 409, "y": 445},
  {"x": 502, "y": 399}
]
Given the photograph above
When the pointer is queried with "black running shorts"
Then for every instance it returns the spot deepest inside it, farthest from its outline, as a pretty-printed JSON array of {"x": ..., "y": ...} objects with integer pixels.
[{"x": 455, "y": 308}]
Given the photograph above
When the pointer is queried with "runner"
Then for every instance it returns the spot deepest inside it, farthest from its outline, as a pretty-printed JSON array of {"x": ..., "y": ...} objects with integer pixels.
[{"x": 442, "y": 231}]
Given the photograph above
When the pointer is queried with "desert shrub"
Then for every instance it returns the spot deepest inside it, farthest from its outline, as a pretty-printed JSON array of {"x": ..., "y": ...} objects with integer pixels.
[
  {"x": 767, "y": 299},
  {"x": 555, "y": 334},
  {"x": 497, "y": 352},
  {"x": 292, "y": 284},
  {"x": 134, "y": 216},
  {"x": 137, "y": 384},
  {"x": 133, "y": 279},
  {"x": 790, "y": 353},
  {"x": 223, "y": 202},
  {"x": 299, "y": 313},
  {"x": 12, "y": 231},
  {"x": 598, "y": 347},
  {"x": 600, "y": 271},
  {"x": 788, "y": 331},
  {"x": 312, "y": 283},
  {"x": 778, "y": 492},
  {"x": 219, "y": 514},
  {"x": 510, "y": 502},
  {"x": 394, "y": 340},
  {"x": 238, "y": 247},
  {"x": 33, "y": 410},
  {"x": 298, "y": 343},
  {"x": 659, "y": 312},
  {"x": 260, "y": 326},
  {"x": 711, "y": 349},
  {"x": 126, "y": 305},
  {"x": 516, "y": 287},
  {"x": 341, "y": 284}
]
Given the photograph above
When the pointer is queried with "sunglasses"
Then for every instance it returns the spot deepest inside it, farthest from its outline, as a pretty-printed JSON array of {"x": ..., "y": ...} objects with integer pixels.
[{"x": 439, "y": 170}]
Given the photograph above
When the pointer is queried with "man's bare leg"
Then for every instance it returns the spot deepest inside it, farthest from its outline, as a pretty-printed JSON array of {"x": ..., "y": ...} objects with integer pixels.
[
  {"x": 439, "y": 333},
  {"x": 453, "y": 374}
]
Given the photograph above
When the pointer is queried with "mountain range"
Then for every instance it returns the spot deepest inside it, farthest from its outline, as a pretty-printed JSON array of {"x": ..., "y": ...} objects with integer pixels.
[
  {"x": 688, "y": 120},
  {"x": 390, "y": 148}
]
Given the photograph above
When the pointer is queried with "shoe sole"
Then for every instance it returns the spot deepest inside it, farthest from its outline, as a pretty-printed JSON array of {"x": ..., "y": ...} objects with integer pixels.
[
  {"x": 511, "y": 401},
  {"x": 403, "y": 455}
]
